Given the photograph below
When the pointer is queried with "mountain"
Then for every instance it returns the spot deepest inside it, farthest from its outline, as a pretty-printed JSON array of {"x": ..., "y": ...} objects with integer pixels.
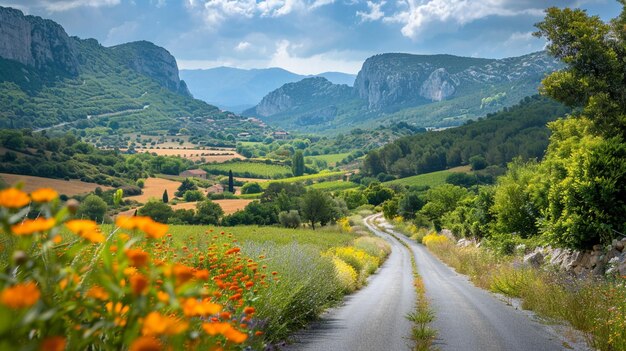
[
  {"x": 423, "y": 90},
  {"x": 51, "y": 80},
  {"x": 239, "y": 89}
]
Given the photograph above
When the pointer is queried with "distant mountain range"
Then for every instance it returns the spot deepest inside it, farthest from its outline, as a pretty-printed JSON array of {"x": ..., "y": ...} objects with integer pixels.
[
  {"x": 423, "y": 90},
  {"x": 49, "y": 79},
  {"x": 235, "y": 89}
]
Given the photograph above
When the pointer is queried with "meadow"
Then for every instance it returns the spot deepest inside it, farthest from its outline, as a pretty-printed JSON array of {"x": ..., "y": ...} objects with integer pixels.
[
  {"x": 207, "y": 156},
  {"x": 249, "y": 169},
  {"x": 432, "y": 179},
  {"x": 335, "y": 185},
  {"x": 330, "y": 159},
  {"x": 323, "y": 175},
  {"x": 142, "y": 285}
]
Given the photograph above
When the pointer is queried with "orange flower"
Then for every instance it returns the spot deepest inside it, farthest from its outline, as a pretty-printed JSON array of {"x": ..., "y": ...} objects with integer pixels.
[
  {"x": 157, "y": 324},
  {"x": 85, "y": 228},
  {"x": 44, "y": 195},
  {"x": 202, "y": 274},
  {"x": 53, "y": 343},
  {"x": 235, "y": 336},
  {"x": 194, "y": 308},
  {"x": 31, "y": 226},
  {"x": 98, "y": 293},
  {"x": 146, "y": 343},
  {"x": 20, "y": 295},
  {"x": 163, "y": 296},
  {"x": 249, "y": 310},
  {"x": 182, "y": 273},
  {"x": 137, "y": 257},
  {"x": 138, "y": 283},
  {"x": 225, "y": 329},
  {"x": 153, "y": 229},
  {"x": 13, "y": 198}
]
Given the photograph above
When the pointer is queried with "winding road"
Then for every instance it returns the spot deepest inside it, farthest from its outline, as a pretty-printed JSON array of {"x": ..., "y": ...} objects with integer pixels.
[{"x": 466, "y": 317}]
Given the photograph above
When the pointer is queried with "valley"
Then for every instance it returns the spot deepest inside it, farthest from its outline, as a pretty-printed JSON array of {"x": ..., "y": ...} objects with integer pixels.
[{"x": 426, "y": 202}]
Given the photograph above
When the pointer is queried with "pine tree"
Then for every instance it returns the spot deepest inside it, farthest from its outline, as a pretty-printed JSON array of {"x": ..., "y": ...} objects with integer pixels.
[
  {"x": 231, "y": 182},
  {"x": 166, "y": 198}
]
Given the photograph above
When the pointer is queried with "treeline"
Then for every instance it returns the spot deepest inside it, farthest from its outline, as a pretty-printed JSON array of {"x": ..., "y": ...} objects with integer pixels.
[
  {"x": 495, "y": 140},
  {"x": 67, "y": 157}
]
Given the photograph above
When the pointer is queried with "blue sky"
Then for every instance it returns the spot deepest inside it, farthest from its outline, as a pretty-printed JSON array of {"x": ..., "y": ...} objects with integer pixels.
[{"x": 309, "y": 36}]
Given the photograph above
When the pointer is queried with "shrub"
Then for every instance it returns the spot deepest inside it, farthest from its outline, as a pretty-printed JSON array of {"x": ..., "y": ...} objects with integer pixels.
[
  {"x": 289, "y": 219},
  {"x": 251, "y": 188},
  {"x": 193, "y": 195},
  {"x": 157, "y": 210},
  {"x": 346, "y": 275},
  {"x": 93, "y": 207}
]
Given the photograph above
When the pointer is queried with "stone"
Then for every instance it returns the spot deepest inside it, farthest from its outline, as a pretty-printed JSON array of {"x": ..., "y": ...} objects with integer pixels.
[
  {"x": 534, "y": 259},
  {"x": 597, "y": 247},
  {"x": 619, "y": 246}
]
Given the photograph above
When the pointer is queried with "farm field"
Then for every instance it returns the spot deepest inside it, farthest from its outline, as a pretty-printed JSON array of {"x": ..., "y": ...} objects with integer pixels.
[
  {"x": 67, "y": 187},
  {"x": 331, "y": 159},
  {"x": 252, "y": 180},
  {"x": 228, "y": 205},
  {"x": 249, "y": 169},
  {"x": 335, "y": 185},
  {"x": 196, "y": 154},
  {"x": 429, "y": 179},
  {"x": 312, "y": 177},
  {"x": 154, "y": 187}
]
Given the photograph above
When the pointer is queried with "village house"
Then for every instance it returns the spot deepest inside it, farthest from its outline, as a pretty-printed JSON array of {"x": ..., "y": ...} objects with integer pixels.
[
  {"x": 194, "y": 173},
  {"x": 215, "y": 189}
]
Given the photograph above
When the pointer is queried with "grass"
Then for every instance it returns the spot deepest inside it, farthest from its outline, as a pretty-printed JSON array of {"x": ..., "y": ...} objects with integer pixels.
[
  {"x": 249, "y": 169},
  {"x": 597, "y": 307},
  {"x": 331, "y": 159},
  {"x": 333, "y": 185},
  {"x": 311, "y": 177},
  {"x": 67, "y": 187},
  {"x": 429, "y": 179}
]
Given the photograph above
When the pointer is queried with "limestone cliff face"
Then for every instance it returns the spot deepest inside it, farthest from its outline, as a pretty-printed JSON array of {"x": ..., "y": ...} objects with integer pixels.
[
  {"x": 153, "y": 61},
  {"x": 36, "y": 42}
]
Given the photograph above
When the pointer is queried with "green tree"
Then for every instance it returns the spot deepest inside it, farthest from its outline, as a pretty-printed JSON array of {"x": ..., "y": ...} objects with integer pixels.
[
  {"x": 231, "y": 182},
  {"x": 208, "y": 212},
  {"x": 316, "y": 207},
  {"x": 478, "y": 162},
  {"x": 251, "y": 188},
  {"x": 186, "y": 185},
  {"x": 376, "y": 194},
  {"x": 193, "y": 195},
  {"x": 157, "y": 210},
  {"x": 410, "y": 204},
  {"x": 297, "y": 163},
  {"x": 166, "y": 197},
  {"x": 441, "y": 200},
  {"x": 390, "y": 208},
  {"x": 117, "y": 197},
  {"x": 92, "y": 207}
]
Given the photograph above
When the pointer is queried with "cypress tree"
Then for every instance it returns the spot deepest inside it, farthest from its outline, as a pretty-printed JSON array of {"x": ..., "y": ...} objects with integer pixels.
[
  {"x": 297, "y": 164},
  {"x": 231, "y": 182},
  {"x": 166, "y": 198}
]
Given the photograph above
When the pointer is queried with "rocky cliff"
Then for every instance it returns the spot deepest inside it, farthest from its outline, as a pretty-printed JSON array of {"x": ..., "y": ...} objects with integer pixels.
[
  {"x": 153, "y": 61},
  {"x": 36, "y": 42}
]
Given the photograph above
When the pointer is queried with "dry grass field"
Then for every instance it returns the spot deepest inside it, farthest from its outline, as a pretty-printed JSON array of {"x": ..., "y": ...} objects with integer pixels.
[
  {"x": 154, "y": 187},
  {"x": 228, "y": 205},
  {"x": 67, "y": 187},
  {"x": 197, "y": 154}
]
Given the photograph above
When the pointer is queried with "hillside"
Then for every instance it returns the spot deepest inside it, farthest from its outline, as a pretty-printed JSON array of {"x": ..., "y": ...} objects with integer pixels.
[
  {"x": 495, "y": 140},
  {"x": 240, "y": 89},
  {"x": 48, "y": 79},
  {"x": 423, "y": 90}
]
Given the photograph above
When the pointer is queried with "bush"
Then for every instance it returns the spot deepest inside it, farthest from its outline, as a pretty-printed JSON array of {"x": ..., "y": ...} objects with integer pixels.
[
  {"x": 289, "y": 219},
  {"x": 208, "y": 212},
  {"x": 157, "y": 210},
  {"x": 93, "y": 207},
  {"x": 346, "y": 275},
  {"x": 193, "y": 195},
  {"x": 251, "y": 188}
]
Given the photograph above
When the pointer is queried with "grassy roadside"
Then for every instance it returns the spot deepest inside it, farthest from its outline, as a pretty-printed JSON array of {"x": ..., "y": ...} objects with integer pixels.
[
  {"x": 597, "y": 307},
  {"x": 422, "y": 334}
]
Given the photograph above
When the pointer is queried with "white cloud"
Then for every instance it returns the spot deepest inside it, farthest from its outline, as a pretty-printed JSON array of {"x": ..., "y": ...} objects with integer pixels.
[
  {"x": 375, "y": 13},
  {"x": 64, "y": 5},
  {"x": 418, "y": 15},
  {"x": 122, "y": 34},
  {"x": 243, "y": 46},
  {"x": 320, "y": 3},
  {"x": 328, "y": 61}
]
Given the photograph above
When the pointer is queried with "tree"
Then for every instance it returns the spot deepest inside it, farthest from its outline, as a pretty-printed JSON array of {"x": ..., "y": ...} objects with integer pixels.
[
  {"x": 117, "y": 197},
  {"x": 441, "y": 200},
  {"x": 316, "y": 207},
  {"x": 297, "y": 163},
  {"x": 208, "y": 212},
  {"x": 157, "y": 210},
  {"x": 410, "y": 203},
  {"x": 478, "y": 162},
  {"x": 187, "y": 184},
  {"x": 289, "y": 219},
  {"x": 376, "y": 194},
  {"x": 251, "y": 188},
  {"x": 166, "y": 197},
  {"x": 93, "y": 207},
  {"x": 193, "y": 195},
  {"x": 231, "y": 182}
]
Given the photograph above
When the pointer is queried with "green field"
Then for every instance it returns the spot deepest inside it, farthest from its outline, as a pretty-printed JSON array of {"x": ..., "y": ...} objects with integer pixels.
[
  {"x": 249, "y": 169},
  {"x": 429, "y": 179},
  {"x": 333, "y": 185},
  {"x": 311, "y": 177},
  {"x": 331, "y": 159}
]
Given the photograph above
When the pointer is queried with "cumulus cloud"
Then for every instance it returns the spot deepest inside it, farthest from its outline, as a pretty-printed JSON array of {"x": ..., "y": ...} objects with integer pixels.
[
  {"x": 328, "y": 61},
  {"x": 243, "y": 46},
  {"x": 375, "y": 13}
]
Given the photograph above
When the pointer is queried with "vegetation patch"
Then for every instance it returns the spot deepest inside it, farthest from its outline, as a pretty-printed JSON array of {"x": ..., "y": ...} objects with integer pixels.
[{"x": 249, "y": 169}]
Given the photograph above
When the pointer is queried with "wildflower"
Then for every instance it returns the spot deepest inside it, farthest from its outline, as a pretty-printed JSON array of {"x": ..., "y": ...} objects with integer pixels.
[
  {"x": 153, "y": 229},
  {"x": 13, "y": 198},
  {"x": 225, "y": 329},
  {"x": 194, "y": 308},
  {"x": 249, "y": 310},
  {"x": 44, "y": 195},
  {"x": 85, "y": 228},
  {"x": 31, "y": 226},
  {"x": 146, "y": 343},
  {"x": 20, "y": 295},
  {"x": 163, "y": 296},
  {"x": 138, "y": 283},
  {"x": 137, "y": 257},
  {"x": 98, "y": 293},
  {"x": 182, "y": 273},
  {"x": 157, "y": 324},
  {"x": 53, "y": 343}
]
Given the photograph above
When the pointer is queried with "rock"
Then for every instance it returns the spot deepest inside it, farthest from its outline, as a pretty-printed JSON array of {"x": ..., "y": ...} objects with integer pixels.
[
  {"x": 613, "y": 253},
  {"x": 619, "y": 246},
  {"x": 438, "y": 86},
  {"x": 464, "y": 243},
  {"x": 36, "y": 42},
  {"x": 597, "y": 247},
  {"x": 599, "y": 269},
  {"x": 622, "y": 269},
  {"x": 534, "y": 259}
]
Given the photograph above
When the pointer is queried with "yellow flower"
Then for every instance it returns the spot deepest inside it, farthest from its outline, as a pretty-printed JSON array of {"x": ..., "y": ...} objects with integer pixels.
[
  {"x": 53, "y": 343},
  {"x": 31, "y": 226},
  {"x": 157, "y": 324},
  {"x": 20, "y": 295},
  {"x": 86, "y": 229},
  {"x": 146, "y": 343},
  {"x": 13, "y": 198},
  {"x": 44, "y": 195}
]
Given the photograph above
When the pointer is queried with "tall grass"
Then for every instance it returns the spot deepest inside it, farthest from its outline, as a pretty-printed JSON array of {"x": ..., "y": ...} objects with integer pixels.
[{"x": 595, "y": 306}]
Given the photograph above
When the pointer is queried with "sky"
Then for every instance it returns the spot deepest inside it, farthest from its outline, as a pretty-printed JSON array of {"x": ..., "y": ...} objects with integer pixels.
[{"x": 309, "y": 36}]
